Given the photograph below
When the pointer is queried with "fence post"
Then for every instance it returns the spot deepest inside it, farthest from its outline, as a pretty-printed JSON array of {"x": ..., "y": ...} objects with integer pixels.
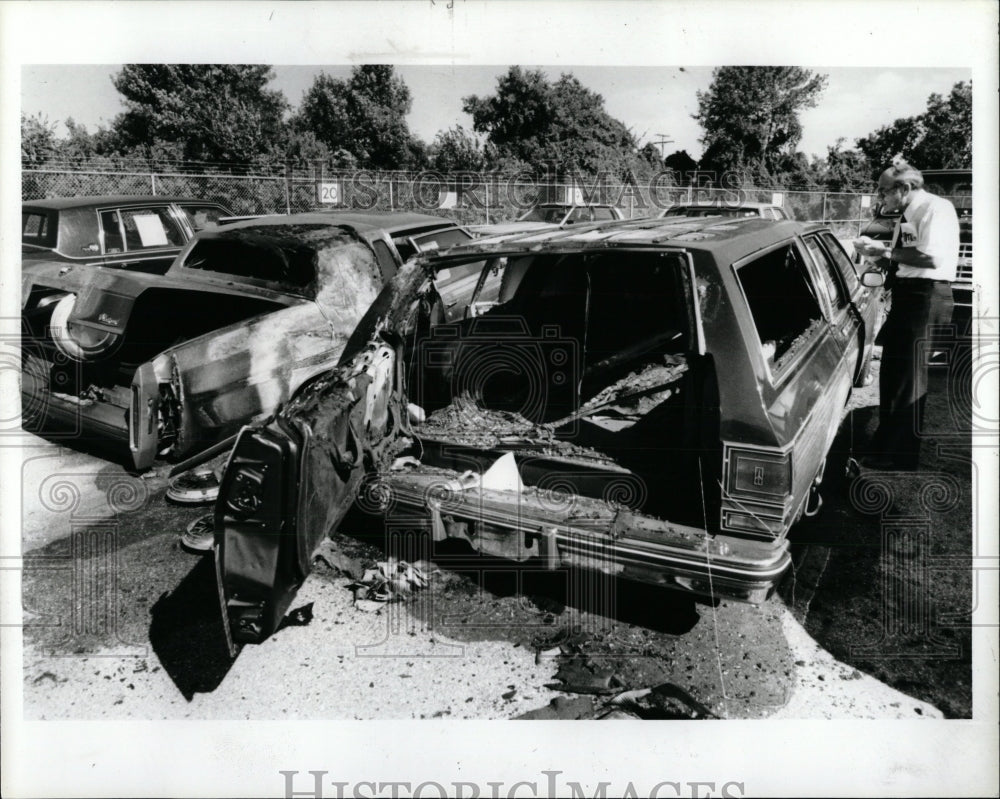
[
  {"x": 824, "y": 206},
  {"x": 288, "y": 189},
  {"x": 152, "y": 181}
]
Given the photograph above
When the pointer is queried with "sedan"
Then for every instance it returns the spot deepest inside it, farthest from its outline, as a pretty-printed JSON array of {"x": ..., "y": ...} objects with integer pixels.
[{"x": 246, "y": 313}]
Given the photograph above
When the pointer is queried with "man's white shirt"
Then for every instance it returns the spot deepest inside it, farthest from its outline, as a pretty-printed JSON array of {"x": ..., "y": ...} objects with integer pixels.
[{"x": 929, "y": 223}]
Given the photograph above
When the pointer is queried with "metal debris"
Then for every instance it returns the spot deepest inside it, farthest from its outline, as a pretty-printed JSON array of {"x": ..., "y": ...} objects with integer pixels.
[
  {"x": 200, "y": 534},
  {"x": 390, "y": 581}
]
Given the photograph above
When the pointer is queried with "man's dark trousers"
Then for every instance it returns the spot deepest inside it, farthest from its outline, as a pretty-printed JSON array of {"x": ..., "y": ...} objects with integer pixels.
[{"x": 917, "y": 307}]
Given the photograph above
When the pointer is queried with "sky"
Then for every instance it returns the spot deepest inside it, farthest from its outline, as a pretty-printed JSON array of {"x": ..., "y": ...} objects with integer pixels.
[{"x": 651, "y": 101}]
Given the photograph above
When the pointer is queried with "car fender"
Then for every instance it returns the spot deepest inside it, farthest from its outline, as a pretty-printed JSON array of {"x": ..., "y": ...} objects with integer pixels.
[{"x": 245, "y": 370}]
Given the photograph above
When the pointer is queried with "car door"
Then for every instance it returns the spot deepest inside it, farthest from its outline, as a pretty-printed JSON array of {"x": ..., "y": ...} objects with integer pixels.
[
  {"x": 864, "y": 304},
  {"x": 807, "y": 375}
]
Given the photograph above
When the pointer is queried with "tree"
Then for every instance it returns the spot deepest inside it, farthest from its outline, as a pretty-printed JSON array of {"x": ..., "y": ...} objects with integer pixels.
[
  {"x": 681, "y": 163},
  {"x": 456, "y": 150},
  {"x": 38, "y": 140},
  {"x": 750, "y": 116},
  {"x": 564, "y": 123},
  {"x": 651, "y": 155},
  {"x": 947, "y": 140},
  {"x": 901, "y": 136},
  {"x": 364, "y": 115},
  {"x": 940, "y": 138},
  {"x": 217, "y": 112},
  {"x": 847, "y": 170}
]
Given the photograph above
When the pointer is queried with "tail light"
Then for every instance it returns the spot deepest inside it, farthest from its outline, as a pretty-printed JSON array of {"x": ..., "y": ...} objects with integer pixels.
[
  {"x": 762, "y": 474},
  {"x": 757, "y": 491}
]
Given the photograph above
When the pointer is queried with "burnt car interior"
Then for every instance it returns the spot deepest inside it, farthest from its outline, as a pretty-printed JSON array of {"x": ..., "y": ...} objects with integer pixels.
[
  {"x": 587, "y": 370},
  {"x": 782, "y": 301}
]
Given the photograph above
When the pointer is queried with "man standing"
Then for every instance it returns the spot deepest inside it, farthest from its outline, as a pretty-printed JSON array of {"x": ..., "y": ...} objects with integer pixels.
[{"x": 924, "y": 252}]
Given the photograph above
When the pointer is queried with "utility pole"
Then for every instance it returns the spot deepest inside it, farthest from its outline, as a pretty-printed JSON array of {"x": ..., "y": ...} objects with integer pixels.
[{"x": 662, "y": 142}]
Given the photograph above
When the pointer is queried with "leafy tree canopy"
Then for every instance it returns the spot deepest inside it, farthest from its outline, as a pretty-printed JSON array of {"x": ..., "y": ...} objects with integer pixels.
[
  {"x": 38, "y": 140},
  {"x": 940, "y": 138},
  {"x": 564, "y": 123},
  {"x": 364, "y": 115},
  {"x": 218, "y": 112},
  {"x": 751, "y": 116},
  {"x": 456, "y": 150}
]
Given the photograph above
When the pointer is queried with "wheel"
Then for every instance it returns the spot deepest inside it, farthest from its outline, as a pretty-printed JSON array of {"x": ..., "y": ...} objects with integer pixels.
[{"x": 76, "y": 341}]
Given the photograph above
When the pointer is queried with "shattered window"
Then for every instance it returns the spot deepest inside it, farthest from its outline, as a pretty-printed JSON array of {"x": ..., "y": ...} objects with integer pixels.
[
  {"x": 283, "y": 261},
  {"x": 782, "y": 300},
  {"x": 440, "y": 239}
]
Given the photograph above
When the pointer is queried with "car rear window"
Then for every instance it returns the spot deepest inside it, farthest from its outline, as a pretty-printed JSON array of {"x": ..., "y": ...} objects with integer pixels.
[
  {"x": 35, "y": 228},
  {"x": 203, "y": 217},
  {"x": 284, "y": 262},
  {"x": 435, "y": 240}
]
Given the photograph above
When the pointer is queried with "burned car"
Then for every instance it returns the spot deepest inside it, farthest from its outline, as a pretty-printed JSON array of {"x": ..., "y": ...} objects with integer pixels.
[
  {"x": 247, "y": 312},
  {"x": 654, "y": 399}
]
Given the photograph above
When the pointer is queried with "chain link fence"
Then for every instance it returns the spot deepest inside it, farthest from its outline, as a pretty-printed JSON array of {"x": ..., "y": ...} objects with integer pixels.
[{"x": 468, "y": 197}]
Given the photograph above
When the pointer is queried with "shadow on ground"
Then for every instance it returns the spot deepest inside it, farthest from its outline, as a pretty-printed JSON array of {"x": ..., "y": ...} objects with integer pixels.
[
  {"x": 187, "y": 635},
  {"x": 882, "y": 576}
]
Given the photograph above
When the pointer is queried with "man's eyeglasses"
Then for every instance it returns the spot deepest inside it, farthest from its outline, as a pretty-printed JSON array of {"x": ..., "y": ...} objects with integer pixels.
[{"x": 883, "y": 192}]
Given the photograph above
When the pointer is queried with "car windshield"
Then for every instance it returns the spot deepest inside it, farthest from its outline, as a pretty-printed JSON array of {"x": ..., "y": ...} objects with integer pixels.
[{"x": 542, "y": 213}]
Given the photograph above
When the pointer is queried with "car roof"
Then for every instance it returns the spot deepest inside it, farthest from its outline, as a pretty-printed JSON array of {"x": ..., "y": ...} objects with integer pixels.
[
  {"x": 62, "y": 203},
  {"x": 727, "y": 238},
  {"x": 719, "y": 203},
  {"x": 390, "y": 222},
  {"x": 574, "y": 205}
]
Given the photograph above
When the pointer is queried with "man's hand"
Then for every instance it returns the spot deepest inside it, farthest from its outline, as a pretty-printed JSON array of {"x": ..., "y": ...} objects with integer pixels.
[{"x": 872, "y": 248}]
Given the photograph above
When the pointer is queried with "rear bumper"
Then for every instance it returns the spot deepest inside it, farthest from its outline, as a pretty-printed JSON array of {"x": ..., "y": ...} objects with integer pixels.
[{"x": 615, "y": 542}]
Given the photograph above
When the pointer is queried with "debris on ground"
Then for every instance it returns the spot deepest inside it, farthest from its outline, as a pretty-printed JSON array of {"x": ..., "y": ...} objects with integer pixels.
[
  {"x": 390, "y": 581},
  {"x": 334, "y": 557},
  {"x": 199, "y": 536},
  {"x": 562, "y": 707},
  {"x": 299, "y": 617},
  {"x": 666, "y": 701},
  {"x": 198, "y": 486},
  {"x": 583, "y": 676}
]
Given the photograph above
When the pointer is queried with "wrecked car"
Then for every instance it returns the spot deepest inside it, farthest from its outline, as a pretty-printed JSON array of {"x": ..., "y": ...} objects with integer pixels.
[
  {"x": 246, "y": 313},
  {"x": 654, "y": 399}
]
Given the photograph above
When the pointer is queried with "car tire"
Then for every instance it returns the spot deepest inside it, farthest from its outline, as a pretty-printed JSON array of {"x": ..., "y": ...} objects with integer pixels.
[{"x": 74, "y": 342}]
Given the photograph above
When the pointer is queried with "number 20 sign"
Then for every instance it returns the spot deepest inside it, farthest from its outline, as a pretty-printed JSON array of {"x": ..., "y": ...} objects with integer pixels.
[{"x": 330, "y": 193}]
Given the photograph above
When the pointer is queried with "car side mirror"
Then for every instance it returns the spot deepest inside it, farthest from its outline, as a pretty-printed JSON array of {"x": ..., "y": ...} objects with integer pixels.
[{"x": 872, "y": 278}]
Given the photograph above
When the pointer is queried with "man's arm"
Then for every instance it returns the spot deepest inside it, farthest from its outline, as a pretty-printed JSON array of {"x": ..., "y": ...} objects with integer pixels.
[{"x": 911, "y": 256}]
